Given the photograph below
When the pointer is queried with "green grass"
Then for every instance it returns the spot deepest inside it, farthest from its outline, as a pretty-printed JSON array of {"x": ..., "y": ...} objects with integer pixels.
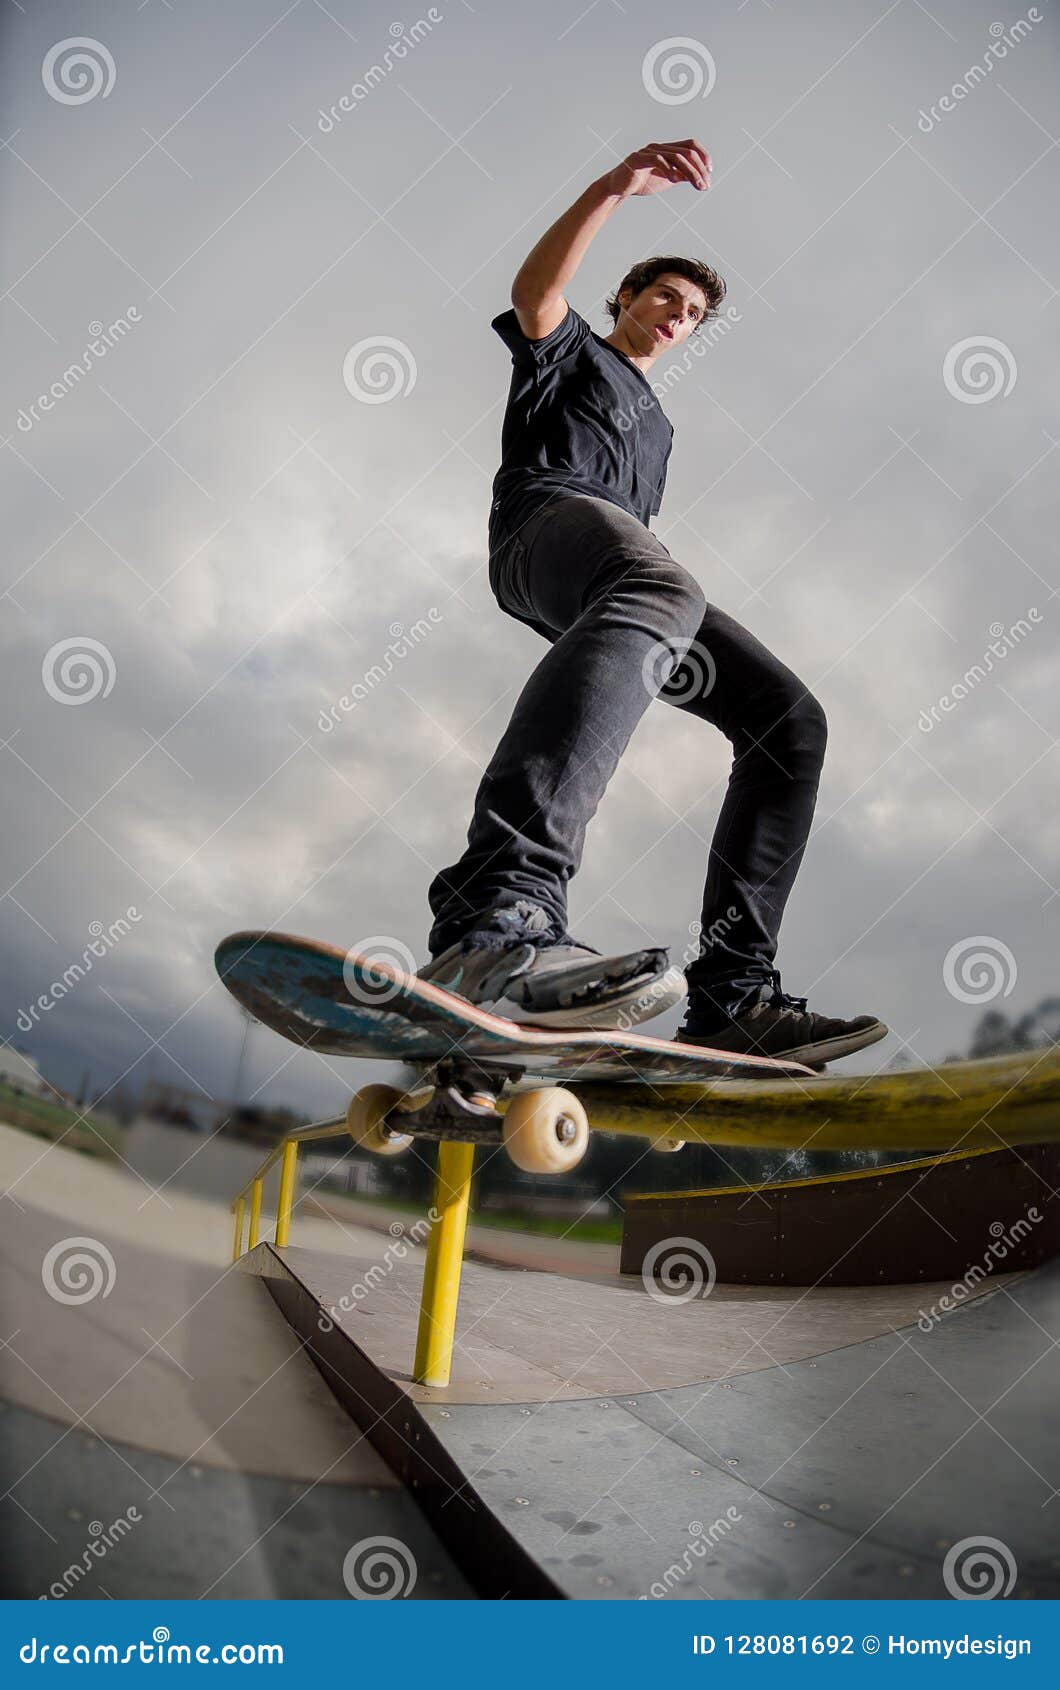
[
  {"x": 598, "y": 1230},
  {"x": 79, "y": 1129}
]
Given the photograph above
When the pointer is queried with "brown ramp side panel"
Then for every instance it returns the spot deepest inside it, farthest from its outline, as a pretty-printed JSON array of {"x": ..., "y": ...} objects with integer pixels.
[{"x": 935, "y": 1219}]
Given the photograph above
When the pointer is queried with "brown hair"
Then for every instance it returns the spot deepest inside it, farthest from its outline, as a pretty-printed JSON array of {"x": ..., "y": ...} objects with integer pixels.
[{"x": 650, "y": 269}]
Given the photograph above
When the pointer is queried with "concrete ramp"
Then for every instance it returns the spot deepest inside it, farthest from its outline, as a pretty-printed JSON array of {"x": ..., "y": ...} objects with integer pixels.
[
  {"x": 162, "y": 1434},
  {"x": 600, "y": 1441}
]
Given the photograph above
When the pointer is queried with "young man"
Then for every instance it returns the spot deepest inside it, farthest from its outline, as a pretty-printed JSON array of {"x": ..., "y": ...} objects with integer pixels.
[{"x": 584, "y": 451}]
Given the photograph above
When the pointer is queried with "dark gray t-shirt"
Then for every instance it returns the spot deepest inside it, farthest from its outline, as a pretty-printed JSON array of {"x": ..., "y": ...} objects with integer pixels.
[{"x": 580, "y": 419}]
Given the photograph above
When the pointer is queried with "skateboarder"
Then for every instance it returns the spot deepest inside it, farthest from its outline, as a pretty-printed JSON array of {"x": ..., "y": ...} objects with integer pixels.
[{"x": 584, "y": 451}]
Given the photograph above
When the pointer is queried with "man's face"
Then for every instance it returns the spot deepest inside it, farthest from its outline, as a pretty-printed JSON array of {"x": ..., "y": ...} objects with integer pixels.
[{"x": 664, "y": 313}]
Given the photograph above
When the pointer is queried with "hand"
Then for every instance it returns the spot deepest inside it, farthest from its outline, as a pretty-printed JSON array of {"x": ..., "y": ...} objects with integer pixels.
[{"x": 659, "y": 165}]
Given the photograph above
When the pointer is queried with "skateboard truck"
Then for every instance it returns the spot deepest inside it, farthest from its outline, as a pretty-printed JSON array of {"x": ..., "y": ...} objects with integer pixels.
[{"x": 544, "y": 1130}]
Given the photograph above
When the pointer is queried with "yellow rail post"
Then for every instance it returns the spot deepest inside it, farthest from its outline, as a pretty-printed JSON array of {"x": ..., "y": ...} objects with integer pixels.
[
  {"x": 288, "y": 1169},
  {"x": 445, "y": 1255},
  {"x": 237, "y": 1247},
  {"x": 255, "y": 1213}
]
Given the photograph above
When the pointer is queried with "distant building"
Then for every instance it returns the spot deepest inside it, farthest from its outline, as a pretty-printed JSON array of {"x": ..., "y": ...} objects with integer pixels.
[{"x": 17, "y": 1069}]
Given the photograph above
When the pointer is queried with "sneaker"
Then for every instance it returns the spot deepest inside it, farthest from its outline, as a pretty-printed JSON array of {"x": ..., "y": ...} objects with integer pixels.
[
  {"x": 781, "y": 1026},
  {"x": 519, "y": 964}
]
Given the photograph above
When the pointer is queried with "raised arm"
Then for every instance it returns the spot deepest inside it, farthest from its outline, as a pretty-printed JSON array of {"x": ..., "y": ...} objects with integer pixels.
[{"x": 537, "y": 291}]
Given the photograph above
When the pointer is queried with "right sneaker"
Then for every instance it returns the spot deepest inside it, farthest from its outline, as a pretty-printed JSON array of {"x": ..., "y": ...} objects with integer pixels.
[
  {"x": 517, "y": 963},
  {"x": 780, "y": 1025}
]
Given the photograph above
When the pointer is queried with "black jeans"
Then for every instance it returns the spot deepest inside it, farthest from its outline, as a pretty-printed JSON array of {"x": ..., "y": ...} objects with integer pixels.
[{"x": 625, "y": 624}]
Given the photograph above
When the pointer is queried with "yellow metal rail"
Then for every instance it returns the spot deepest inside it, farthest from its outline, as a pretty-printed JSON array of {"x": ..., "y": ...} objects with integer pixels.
[
  {"x": 286, "y": 1153},
  {"x": 445, "y": 1242}
]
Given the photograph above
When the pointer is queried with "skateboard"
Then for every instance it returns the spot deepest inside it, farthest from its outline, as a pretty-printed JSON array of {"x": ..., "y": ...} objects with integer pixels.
[{"x": 475, "y": 1073}]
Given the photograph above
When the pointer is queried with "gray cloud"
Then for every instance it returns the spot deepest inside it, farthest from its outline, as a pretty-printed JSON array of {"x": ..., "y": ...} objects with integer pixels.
[{"x": 246, "y": 572}]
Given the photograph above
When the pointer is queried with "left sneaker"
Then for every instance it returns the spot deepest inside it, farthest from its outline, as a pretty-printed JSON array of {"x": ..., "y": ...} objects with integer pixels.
[
  {"x": 780, "y": 1026},
  {"x": 517, "y": 963}
]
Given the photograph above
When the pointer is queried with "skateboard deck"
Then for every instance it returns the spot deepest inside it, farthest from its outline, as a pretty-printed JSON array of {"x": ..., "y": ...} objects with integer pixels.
[
  {"x": 477, "y": 1066},
  {"x": 472, "y": 1067},
  {"x": 343, "y": 1003}
]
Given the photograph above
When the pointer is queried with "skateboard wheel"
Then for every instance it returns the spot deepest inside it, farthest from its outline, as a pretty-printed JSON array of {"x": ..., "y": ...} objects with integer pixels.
[
  {"x": 366, "y": 1120},
  {"x": 546, "y": 1131},
  {"x": 666, "y": 1146}
]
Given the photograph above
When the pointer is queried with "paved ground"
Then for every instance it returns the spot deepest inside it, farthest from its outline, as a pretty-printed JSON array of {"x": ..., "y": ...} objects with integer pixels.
[
  {"x": 155, "y": 1378},
  {"x": 598, "y": 1440}
]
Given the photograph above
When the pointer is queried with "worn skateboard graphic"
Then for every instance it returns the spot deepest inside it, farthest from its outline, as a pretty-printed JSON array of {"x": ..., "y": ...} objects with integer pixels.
[{"x": 467, "y": 1060}]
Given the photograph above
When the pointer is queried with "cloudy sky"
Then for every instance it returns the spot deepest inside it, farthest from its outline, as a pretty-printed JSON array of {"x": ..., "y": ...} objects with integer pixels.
[{"x": 283, "y": 456}]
